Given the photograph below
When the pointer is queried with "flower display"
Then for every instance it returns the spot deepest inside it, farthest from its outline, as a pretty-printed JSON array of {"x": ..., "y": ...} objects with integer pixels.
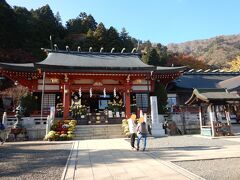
[
  {"x": 125, "y": 127},
  {"x": 116, "y": 105},
  {"x": 62, "y": 130},
  {"x": 78, "y": 110}
]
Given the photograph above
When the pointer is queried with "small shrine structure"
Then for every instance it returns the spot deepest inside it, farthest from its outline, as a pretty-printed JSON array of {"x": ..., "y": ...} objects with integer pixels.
[{"x": 214, "y": 106}]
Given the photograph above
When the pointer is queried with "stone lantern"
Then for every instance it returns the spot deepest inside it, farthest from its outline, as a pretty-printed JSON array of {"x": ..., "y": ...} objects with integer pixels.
[{"x": 17, "y": 127}]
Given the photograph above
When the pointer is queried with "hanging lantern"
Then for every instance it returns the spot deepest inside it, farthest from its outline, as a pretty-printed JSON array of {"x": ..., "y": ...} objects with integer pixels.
[
  {"x": 90, "y": 92},
  {"x": 114, "y": 92},
  {"x": 80, "y": 92},
  {"x": 104, "y": 92}
]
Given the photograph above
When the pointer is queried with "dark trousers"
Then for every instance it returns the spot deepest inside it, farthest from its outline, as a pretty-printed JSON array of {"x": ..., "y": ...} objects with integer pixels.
[{"x": 133, "y": 136}]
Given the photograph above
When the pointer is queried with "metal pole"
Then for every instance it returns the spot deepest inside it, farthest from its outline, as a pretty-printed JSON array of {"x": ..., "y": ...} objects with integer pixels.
[
  {"x": 43, "y": 88},
  {"x": 51, "y": 44}
]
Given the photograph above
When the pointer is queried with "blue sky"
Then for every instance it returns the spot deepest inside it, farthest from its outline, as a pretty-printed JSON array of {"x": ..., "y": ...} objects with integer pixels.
[{"x": 160, "y": 21}]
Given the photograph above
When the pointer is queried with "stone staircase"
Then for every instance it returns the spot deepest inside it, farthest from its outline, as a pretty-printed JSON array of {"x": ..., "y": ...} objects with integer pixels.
[{"x": 98, "y": 132}]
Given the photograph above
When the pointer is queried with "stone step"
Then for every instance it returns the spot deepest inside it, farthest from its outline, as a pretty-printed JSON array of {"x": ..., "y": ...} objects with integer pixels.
[
  {"x": 100, "y": 128},
  {"x": 97, "y": 137},
  {"x": 98, "y": 131},
  {"x": 86, "y": 135},
  {"x": 112, "y": 136},
  {"x": 103, "y": 129}
]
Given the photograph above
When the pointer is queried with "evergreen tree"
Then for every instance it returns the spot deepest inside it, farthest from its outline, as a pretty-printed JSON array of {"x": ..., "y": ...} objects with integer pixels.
[
  {"x": 74, "y": 26},
  {"x": 89, "y": 23},
  {"x": 24, "y": 22},
  {"x": 113, "y": 40},
  {"x": 153, "y": 58},
  {"x": 100, "y": 35},
  {"x": 8, "y": 26},
  {"x": 126, "y": 40},
  {"x": 58, "y": 18},
  {"x": 124, "y": 34},
  {"x": 163, "y": 54},
  {"x": 90, "y": 42},
  {"x": 161, "y": 94},
  {"x": 83, "y": 23}
]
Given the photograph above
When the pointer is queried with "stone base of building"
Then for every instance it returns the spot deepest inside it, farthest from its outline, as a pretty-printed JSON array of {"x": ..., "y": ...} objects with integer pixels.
[{"x": 157, "y": 130}]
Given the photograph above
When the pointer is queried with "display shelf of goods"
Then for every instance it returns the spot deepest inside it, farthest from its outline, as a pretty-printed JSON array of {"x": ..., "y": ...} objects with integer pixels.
[{"x": 62, "y": 130}]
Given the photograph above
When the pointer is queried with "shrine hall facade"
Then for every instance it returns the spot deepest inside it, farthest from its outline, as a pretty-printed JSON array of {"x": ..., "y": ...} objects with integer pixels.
[{"x": 83, "y": 83}]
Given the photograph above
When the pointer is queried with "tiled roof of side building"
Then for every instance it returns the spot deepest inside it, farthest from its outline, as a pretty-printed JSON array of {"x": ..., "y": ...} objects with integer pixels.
[
  {"x": 231, "y": 84},
  {"x": 202, "y": 80}
]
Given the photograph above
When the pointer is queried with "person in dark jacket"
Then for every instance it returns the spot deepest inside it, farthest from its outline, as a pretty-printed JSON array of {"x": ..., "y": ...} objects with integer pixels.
[{"x": 142, "y": 132}]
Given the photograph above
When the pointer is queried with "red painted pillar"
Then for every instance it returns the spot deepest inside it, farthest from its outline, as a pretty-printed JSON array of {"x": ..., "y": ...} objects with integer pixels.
[
  {"x": 66, "y": 101},
  {"x": 127, "y": 103}
]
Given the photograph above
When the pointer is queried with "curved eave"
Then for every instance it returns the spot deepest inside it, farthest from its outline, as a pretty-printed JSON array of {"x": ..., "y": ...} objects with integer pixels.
[
  {"x": 52, "y": 68},
  {"x": 26, "y": 67},
  {"x": 196, "y": 96},
  {"x": 211, "y": 95},
  {"x": 160, "y": 69}
]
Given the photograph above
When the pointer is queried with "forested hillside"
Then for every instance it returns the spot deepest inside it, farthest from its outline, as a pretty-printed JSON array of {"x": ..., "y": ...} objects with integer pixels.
[
  {"x": 24, "y": 32},
  {"x": 215, "y": 51}
]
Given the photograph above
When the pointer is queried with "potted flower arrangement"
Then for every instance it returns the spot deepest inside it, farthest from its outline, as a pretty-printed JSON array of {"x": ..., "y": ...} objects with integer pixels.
[
  {"x": 78, "y": 111},
  {"x": 116, "y": 106},
  {"x": 125, "y": 127},
  {"x": 62, "y": 130}
]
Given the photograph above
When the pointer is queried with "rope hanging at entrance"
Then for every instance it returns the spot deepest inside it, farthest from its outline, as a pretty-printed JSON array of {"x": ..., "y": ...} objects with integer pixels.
[
  {"x": 80, "y": 92},
  {"x": 104, "y": 92},
  {"x": 90, "y": 92},
  {"x": 114, "y": 92}
]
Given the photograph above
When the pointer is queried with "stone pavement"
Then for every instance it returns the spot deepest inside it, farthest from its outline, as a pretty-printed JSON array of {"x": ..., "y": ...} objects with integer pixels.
[
  {"x": 107, "y": 159},
  {"x": 199, "y": 152}
]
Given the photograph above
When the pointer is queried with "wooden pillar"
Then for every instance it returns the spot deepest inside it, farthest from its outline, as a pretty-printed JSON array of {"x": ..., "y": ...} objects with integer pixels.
[
  {"x": 127, "y": 103},
  {"x": 66, "y": 101},
  {"x": 127, "y": 96}
]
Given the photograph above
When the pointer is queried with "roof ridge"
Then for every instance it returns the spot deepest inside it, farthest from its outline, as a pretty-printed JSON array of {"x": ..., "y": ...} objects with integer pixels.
[{"x": 91, "y": 53}]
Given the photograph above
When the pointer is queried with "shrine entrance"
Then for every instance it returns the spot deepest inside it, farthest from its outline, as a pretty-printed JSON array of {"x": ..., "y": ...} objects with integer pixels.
[{"x": 97, "y": 108}]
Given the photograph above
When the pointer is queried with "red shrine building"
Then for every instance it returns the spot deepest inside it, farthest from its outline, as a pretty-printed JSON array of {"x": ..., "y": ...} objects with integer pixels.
[{"x": 82, "y": 85}]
